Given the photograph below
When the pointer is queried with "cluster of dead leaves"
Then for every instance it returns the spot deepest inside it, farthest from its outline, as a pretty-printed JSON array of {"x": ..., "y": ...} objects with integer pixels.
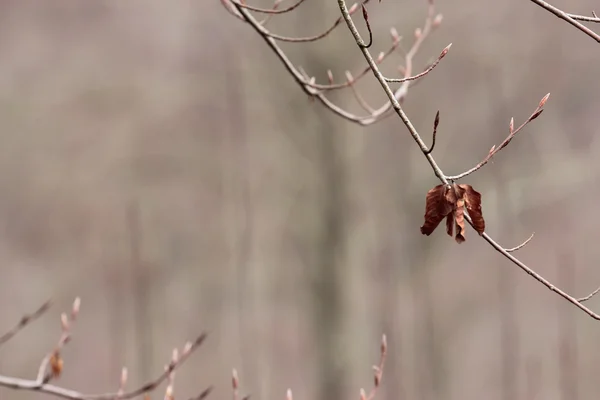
[{"x": 449, "y": 201}]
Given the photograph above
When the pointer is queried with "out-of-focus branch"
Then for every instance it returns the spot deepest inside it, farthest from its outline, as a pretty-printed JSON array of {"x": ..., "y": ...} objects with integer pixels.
[
  {"x": 52, "y": 366},
  {"x": 572, "y": 19},
  {"x": 318, "y": 90},
  {"x": 273, "y": 10},
  {"x": 25, "y": 320},
  {"x": 377, "y": 378}
]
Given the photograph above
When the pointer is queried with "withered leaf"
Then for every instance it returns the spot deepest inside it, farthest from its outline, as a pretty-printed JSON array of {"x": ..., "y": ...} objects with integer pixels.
[
  {"x": 437, "y": 208},
  {"x": 56, "y": 364},
  {"x": 450, "y": 225},
  {"x": 449, "y": 202},
  {"x": 473, "y": 202},
  {"x": 459, "y": 217}
]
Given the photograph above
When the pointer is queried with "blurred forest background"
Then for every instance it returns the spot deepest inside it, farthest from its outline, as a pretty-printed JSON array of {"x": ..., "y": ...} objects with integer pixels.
[{"x": 158, "y": 161}]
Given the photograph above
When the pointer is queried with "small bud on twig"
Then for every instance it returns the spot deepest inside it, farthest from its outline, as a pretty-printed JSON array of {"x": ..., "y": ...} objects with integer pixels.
[
  {"x": 445, "y": 51},
  {"x": 363, "y": 394},
  {"x": 288, "y": 394},
  {"x": 418, "y": 33},
  {"x": 235, "y": 382},
  {"x": 75, "y": 309},
  {"x": 56, "y": 364},
  {"x": 123, "y": 377},
  {"x": 376, "y": 376},
  {"x": 330, "y": 76},
  {"x": 544, "y": 100},
  {"x": 437, "y": 21},
  {"x": 187, "y": 347},
  {"x": 349, "y": 77},
  {"x": 64, "y": 322}
]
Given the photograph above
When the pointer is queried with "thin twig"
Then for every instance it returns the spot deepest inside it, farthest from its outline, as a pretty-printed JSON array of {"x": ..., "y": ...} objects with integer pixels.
[
  {"x": 26, "y": 384},
  {"x": 25, "y": 320},
  {"x": 435, "y": 126},
  {"x": 274, "y": 10},
  {"x": 571, "y": 19},
  {"x": 313, "y": 90},
  {"x": 521, "y": 245},
  {"x": 377, "y": 370},
  {"x": 361, "y": 101},
  {"x": 437, "y": 170},
  {"x": 203, "y": 395},
  {"x": 366, "y": 18},
  {"x": 512, "y": 133},
  {"x": 589, "y": 296},
  {"x": 425, "y": 72}
]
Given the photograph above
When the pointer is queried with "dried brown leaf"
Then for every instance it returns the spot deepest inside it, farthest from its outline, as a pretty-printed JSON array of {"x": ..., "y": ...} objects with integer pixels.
[
  {"x": 56, "y": 364},
  {"x": 450, "y": 225},
  {"x": 449, "y": 202},
  {"x": 459, "y": 218},
  {"x": 437, "y": 208},
  {"x": 473, "y": 201}
]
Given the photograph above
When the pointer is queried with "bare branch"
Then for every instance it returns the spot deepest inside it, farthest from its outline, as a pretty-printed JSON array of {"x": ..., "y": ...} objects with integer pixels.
[
  {"x": 25, "y": 320},
  {"x": 445, "y": 179},
  {"x": 589, "y": 296},
  {"x": 435, "y": 126},
  {"x": 512, "y": 249},
  {"x": 52, "y": 366},
  {"x": 511, "y": 134},
  {"x": 306, "y": 39},
  {"x": 422, "y": 74},
  {"x": 361, "y": 101},
  {"x": 318, "y": 91},
  {"x": 377, "y": 371},
  {"x": 273, "y": 10},
  {"x": 572, "y": 19},
  {"x": 366, "y": 18},
  {"x": 395, "y": 98},
  {"x": 203, "y": 395}
]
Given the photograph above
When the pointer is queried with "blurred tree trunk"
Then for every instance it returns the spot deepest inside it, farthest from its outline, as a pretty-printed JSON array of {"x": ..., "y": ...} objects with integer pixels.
[
  {"x": 327, "y": 279},
  {"x": 567, "y": 328},
  {"x": 141, "y": 291},
  {"x": 328, "y": 312}
]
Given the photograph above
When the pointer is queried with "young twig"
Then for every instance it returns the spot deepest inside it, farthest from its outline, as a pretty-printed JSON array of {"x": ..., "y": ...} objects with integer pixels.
[
  {"x": 394, "y": 104},
  {"x": 25, "y": 320},
  {"x": 572, "y": 19},
  {"x": 52, "y": 366},
  {"x": 438, "y": 171},
  {"x": 274, "y": 10},
  {"x": 511, "y": 134},
  {"x": 435, "y": 126},
  {"x": 521, "y": 245},
  {"x": 589, "y": 296},
  {"x": 318, "y": 91},
  {"x": 377, "y": 371}
]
